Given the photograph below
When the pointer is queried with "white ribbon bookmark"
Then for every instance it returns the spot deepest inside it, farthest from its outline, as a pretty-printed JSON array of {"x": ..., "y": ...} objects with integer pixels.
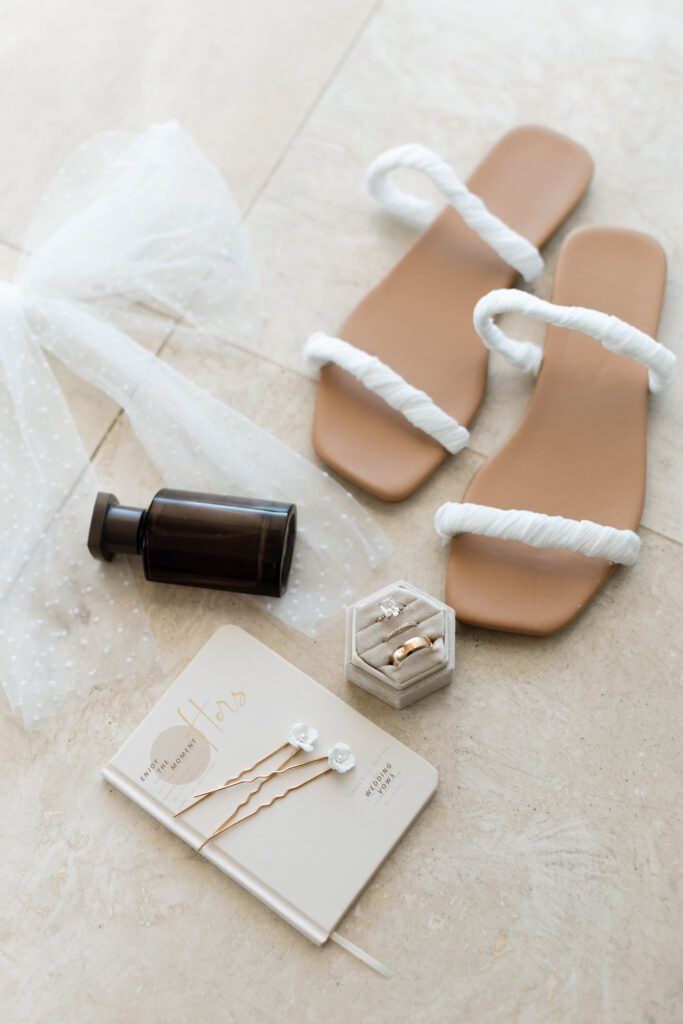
[{"x": 360, "y": 954}]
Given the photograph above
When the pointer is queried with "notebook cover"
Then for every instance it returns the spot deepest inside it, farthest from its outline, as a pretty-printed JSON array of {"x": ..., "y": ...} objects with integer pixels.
[{"x": 309, "y": 855}]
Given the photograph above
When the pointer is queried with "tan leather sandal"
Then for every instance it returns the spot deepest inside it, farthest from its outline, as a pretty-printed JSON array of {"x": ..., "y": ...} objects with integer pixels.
[
  {"x": 547, "y": 518},
  {"x": 407, "y": 373}
]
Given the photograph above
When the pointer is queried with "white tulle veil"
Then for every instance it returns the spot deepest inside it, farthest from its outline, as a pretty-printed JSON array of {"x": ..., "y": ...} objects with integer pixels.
[{"x": 134, "y": 222}]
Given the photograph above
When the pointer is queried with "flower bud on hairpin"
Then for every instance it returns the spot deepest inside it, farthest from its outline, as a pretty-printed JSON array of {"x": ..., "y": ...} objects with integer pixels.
[
  {"x": 303, "y": 736},
  {"x": 340, "y": 758}
]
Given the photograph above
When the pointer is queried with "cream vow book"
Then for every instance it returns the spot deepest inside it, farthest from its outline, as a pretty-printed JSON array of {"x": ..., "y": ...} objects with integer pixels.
[{"x": 310, "y": 854}]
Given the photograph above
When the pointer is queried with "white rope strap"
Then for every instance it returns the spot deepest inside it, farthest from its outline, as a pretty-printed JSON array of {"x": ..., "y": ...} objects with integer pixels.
[
  {"x": 510, "y": 246},
  {"x": 614, "y": 334},
  {"x": 415, "y": 405},
  {"x": 538, "y": 530}
]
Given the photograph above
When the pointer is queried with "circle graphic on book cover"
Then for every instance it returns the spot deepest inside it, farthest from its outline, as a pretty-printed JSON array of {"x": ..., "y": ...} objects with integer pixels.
[{"x": 179, "y": 756}]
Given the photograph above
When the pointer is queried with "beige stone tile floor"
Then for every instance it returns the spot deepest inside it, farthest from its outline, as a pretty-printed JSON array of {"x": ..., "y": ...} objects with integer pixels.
[{"x": 542, "y": 882}]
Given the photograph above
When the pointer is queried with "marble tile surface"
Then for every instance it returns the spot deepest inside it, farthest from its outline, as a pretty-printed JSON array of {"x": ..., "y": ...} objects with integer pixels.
[{"x": 542, "y": 883}]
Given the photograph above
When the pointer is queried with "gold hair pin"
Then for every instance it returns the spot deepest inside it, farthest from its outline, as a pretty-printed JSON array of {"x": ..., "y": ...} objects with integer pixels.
[
  {"x": 339, "y": 759},
  {"x": 301, "y": 737}
]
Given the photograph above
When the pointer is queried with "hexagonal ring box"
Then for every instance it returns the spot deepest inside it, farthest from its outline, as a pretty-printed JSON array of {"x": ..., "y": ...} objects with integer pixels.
[{"x": 378, "y": 625}]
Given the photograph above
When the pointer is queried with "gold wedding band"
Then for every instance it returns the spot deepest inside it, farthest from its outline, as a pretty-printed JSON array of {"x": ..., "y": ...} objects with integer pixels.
[
  {"x": 399, "y": 629},
  {"x": 416, "y": 643}
]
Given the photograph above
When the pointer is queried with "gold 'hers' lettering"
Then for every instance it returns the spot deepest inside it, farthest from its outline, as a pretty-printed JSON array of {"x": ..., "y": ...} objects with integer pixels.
[
  {"x": 238, "y": 701},
  {"x": 214, "y": 715}
]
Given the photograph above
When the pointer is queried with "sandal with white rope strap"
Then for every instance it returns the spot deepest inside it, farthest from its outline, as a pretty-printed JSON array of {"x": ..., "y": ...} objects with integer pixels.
[
  {"x": 547, "y": 518},
  {"x": 406, "y": 374}
]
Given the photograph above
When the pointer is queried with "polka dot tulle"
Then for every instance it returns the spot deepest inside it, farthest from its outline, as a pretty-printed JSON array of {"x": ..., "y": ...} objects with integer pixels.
[{"x": 135, "y": 222}]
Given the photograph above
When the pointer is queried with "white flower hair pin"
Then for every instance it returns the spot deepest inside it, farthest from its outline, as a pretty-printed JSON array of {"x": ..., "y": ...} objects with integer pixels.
[
  {"x": 339, "y": 758},
  {"x": 301, "y": 737}
]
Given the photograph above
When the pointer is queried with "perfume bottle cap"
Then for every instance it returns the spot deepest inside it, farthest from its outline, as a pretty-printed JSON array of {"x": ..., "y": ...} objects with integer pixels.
[{"x": 114, "y": 529}]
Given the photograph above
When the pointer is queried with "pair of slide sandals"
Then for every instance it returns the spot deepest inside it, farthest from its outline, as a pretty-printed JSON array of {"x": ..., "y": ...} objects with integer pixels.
[{"x": 544, "y": 521}]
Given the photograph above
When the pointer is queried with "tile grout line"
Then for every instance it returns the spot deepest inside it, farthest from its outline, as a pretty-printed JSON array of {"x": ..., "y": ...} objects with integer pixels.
[
  {"x": 348, "y": 49},
  {"x": 120, "y": 411},
  {"x": 661, "y": 536},
  {"x": 303, "y": 121},
  {"x": 301, "y": 124}
]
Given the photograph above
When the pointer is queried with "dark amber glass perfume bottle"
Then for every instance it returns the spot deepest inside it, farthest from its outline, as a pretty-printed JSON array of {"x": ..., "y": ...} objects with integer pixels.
[{"x": 200, "y": 540}]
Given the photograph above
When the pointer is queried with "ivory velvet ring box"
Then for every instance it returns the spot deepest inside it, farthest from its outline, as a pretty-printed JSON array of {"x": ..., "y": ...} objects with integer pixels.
[{"x": 400, "y": 644}]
